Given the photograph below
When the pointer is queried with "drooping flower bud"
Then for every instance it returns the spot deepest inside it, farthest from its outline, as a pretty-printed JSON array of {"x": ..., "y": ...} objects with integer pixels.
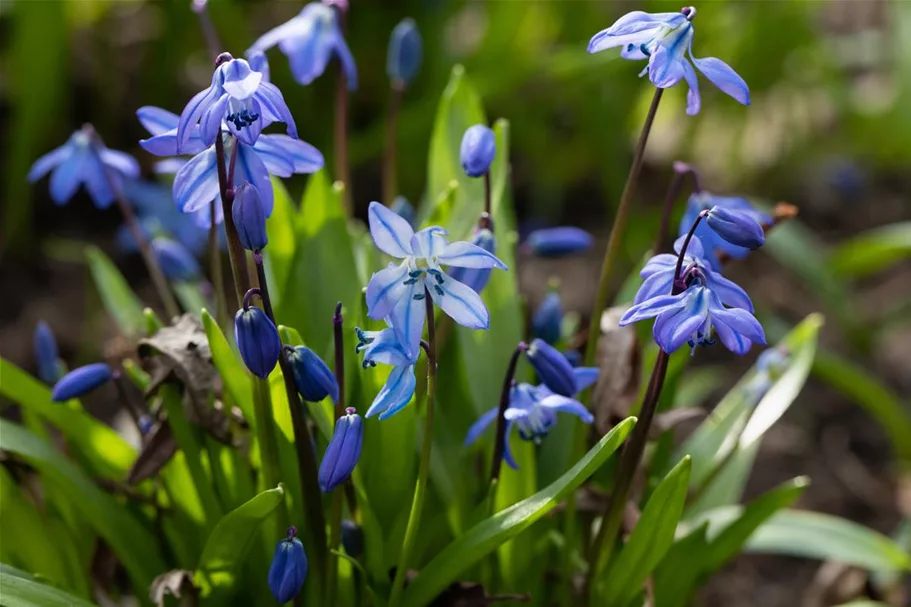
[
  {"x": 46, "y": 354},
  {"x": 257, "y": 339},
  {"x": 547, "y": 321},
  {"x": 288, "y": 569},
  {"x": 352, "y": 538},
  {"x": 479, "y": 146},
  {"x": 477, "y": 278},
  {"x": 343, "y": 451},
  {"x": 736, "y": 227},
  {"x": 554, "y": 242},
  {"x": 404, "y": 57},
  {"x": 249, "y": 217},
  {"x": 552, "y": 368},
  {"x": 315, "y": 380},
  {"x": 175, "y": 261},
  {"x": 80, "y": 381}
]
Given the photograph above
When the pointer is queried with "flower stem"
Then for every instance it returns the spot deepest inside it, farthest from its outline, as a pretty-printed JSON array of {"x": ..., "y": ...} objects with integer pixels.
[
  {"x": 390, "y": 155},
  {"x": 218, "y": 279},
  {"x": 681, "y": 169},
  {"x": 501, "y": 438},
  {"x": 420, "y": 487},
  {"x": 200, "y": 7},
  {"x": 335, "y": 518},
  {"x": 342, "y": 168},
  {"x": 617, "y": 230},
  {"x": 236, "y": 253}
]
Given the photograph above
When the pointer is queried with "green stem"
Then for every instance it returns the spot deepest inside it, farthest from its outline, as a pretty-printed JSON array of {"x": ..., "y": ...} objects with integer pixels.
[
  {"x": 335, "y": 517},
  {"x": 268, "y": 449},
  {"x": 420, "y": 487}
]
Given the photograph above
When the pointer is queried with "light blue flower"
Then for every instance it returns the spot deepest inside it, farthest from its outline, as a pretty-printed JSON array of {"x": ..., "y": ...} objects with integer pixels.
[
  {"x": 713, "y": 243},
  {"x": 475, "y": 278},
  {"x": 398, "y": 291},
  {"x": 383, "y": 347},
  {"x": 83, "y": 159},
  {"x": 533, "y": 411},
  {"x": 309, "y": 41},
  {"x": 665, "y": 39},
  {"x": 238, "y": 96}
]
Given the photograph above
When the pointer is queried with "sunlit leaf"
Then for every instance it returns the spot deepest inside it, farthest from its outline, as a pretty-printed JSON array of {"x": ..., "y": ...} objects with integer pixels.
[
  {"x": 872, "y": 250},
  {"x": 19, "y": 589},
  {"x": 116, "y": 295}
]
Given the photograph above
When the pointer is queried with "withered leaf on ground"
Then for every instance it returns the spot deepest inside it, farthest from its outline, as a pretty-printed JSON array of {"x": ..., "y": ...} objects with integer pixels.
[
  {"x": 177, "y": 583},
  {"x": 157, "y": 450},
  {"x": 620, "y": 364}
]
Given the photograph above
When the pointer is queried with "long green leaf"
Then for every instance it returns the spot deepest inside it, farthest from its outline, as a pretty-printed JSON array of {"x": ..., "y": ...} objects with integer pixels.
[
  {"x": 18, "y": 590},
  {"x": 233, "y": 374},
  {"x": 484, "y": 537},
  {"x": 677, "y": 576},
  {"x": 123, "y": 533},
  {"x": 229, "y": 543},
  {"x": 116, "y": 295},
  {"x": 650, "y": 540},
  {"x": 872, "y": 250}
]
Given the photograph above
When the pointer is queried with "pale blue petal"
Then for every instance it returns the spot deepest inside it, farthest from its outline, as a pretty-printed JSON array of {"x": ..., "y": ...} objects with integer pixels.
[
  {"x": 729, "y": 292},
  {"x": 396, "y": 393},
  {"x": 507, "y": 452},
  {"x": 49, "y": 161},
  {"x": 632, "y": 28},
  {"x": 585, "y": 377},
  {"x": 240, "y": 81},
  {"x": 121, "y": 162},
  {"x": 655, "y": 285},
  {"x": 725, "y": 78},
  {"x": 652, "y": 307},
  {"x": 161, "y": 145},
  {"x": 563, "y": 404},
  {"x": 97, "y": 180},
  {"x": 741, "y": 321},
  {"x": 731, "y": 339},
  {"x": 673, "y": 329},
  {"x": 429, "y": 242},
  {"x": 299, "y": 26},
  {"x": 385, "y": 349},
  {"x": 407, "y": 318},
  {"x": 67, "y": 176},
  {"x": 477, "y": 428},
  {"x": 665, "y": 68},
  {"x": 274, "y": 106},
  {"x": 193, "y": 111},
  {"x": 693, "y": 101},
  {"x": 169, "y": 166},
  {"x": 277, "y": 151},
  {"x": 460, "y": 302},
  {"x": 385, "y": 289},
  {"x": 196, "y": 183},
  {"x": 307, "y": 56},
  {"x": 658, "y": 263},
  {"x": 693, "y": 249},
  {"x": 210, "y": 121},
  {"x": 347, "y": 59},
  {"x": 467, "y": 255},
  {"x": 391, "y": 233},
  {"x": 156, "y": 120},
  {"x": 250, "y": 168},
  {"x": 273, "y": 155}
]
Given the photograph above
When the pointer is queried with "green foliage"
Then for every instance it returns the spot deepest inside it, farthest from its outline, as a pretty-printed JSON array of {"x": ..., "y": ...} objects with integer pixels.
[
  {"x": 118, "y": 299},
  {"x": 19, "y": 589}
]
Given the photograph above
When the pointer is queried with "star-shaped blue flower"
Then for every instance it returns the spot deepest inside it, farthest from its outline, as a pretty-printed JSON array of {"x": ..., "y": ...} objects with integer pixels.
[{"x": 383, "y": 347}]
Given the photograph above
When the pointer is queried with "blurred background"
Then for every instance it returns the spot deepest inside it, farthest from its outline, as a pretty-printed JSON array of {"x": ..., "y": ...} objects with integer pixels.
[{"x": 829, "y": 131}]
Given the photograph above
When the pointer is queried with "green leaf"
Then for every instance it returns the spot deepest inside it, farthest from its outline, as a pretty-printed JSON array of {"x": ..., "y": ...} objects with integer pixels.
[
  {"x": 279, "y": 255},
  {"x": 190, "y": 296},
  {"x": 872, "y": 250},
  {"x": 232, "y": 371},
  {"x": 153, "y": 323},
  {"x": 108, "y": 454},
  {"x": 830, "y": 538},
  {"x": 484, "y": 537},
  {"x": 135, "y": 546},
  {"x": 116, "y": 295},
  {"x": 21, "y": 590},
  {"x": 230, "y": 542},
  {"x": 650, "y": 540},
  {"x": 677, "y": 576}
]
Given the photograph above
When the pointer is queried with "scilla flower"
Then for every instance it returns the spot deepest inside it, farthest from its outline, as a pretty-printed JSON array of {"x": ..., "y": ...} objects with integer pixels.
[
  {"x": 238, "y": 96},
  {"x": 80, "y": 381},
  {"x": 47, "y": 357},
  {"x": 547, "y": 321},
  {"x": 478, "y": 148},
  {"x": 176, "y": 262},
  {"x": 343, "y": 451},
  {"x": 665, "y": 39},
  {"x": 257, "y": 338},
  {"x": 84, "y": 160},
  {"x": 383, "y": 347},
  {"x": 476, "y": 278},
  {"x": 312, "y": 377},
  {"x": 713, "y": 242},
  {"x": 398, "y": 292},
  {"x": 403, "y": 59},
  {"x": 533, "y": 411},
  {"x": 249, "y": 217},
  {"x": 288, "y": 569},
  {"x": 736, "y": 227},
  {"x": 552, "y": 367},
  {"x": 555, "y": 242},
  {"x": 309, "y": 40}
]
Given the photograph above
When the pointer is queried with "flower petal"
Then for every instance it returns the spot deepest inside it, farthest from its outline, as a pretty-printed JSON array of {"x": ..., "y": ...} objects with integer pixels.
[
  {"x": 429, "y": 242},
  {"x": 729, "y": 292},
  {"x": 278, "y": 151},
  {"x": 466, "y": 255},
  {"x": 274, "y": 106},
  {"x": 196, "y": 183},
  {"x": 193, "y": 111},
  {"x": 239, "y": 80},
  {"x": 385, "y": 349},
  {"x": 478, "y": 427},
  {"x": 652, "y": 307},
  {"x": 585, "y": 377},
  {"x": 655, "y": 285},
  {"x": 157, "y": 121},
  {"x": 49, "y": 161},
  {"x": 567, "y": 405},
  {"x": 632, "y": 28},
  {"x": 725, "y": 78},
  {"x": 391, "y": 233},
  {"x": 665, "y": 67},
  {"x": 693, "y": 249},
  {"x": 97, "y": 179},
  {"x": 300, "y": 25},
  {"x": 731, "y": 339},
  {"x": 407, "y": 319},
  {"x": 250, "y": 168},
  {"x": 460, "y": 302},
  {"x": 385, "y": 289},
  {"x": 693, "y": 101},
  {"x": 396, "y": 393},
  {"x": 67, "y": 176},
  {"x": 210, "y": 121},
  {"x": 121, "y": 162},
  {"x": 741, "y": 321},
  {"x": 347, "y": 59}
]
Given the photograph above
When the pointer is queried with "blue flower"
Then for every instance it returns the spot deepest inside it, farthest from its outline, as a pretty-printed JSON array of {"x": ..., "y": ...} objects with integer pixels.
[
  {"x": 711, "y": 240},
  {"x": 476, "y": 278},
  {"x": 249, "y": 217},
  {"x": 47, "y": 356},
  {"x": 83, "y": 159},
  {"x": 238, "y": 96},
  {"x": 288, "y": 569},
  {"x": 665, "y": 39},
  {"x": 352, "y": 538},
  {"x": 313, "y": 378},
  {"x": 398, "y": 291},
  {"x": 547, "y": 321},
  {"x": 343, "y": 451},
  {"x": 554, "y": 242},
  {"x": 692, "y": 315},
  {"x": 384, "y": 347},
  {"x": 403, "y": 59},
  {"x": 478, "y": 148},
  {"x": 404, "y": 209},
  {"x": 80, "y": 381},
  {"x": 309, "y": 40},
  {"x": 533, "y": 410},
  {"x": 736, "y": 227},
  {"x": 552, "y": 367},
  {"x": 157, "y": 215},
  {"x": 257, "y": 340},
  {"x": 175, "y": 261}
]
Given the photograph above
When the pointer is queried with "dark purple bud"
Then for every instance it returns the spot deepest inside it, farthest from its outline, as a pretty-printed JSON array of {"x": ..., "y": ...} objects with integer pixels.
[
  {"x": 736, "y": 227},
  {"x": 315, "y": 381},
  {"x": 258, "y": 340},
  {"x": 404, "y": 57},
  {"x": 46, "y": 353},
  {"x": 80, "y": 381},
  {"x": 352, "y": 538},
  {"x": 547, "y": 321},
  {"x": 479, "y": 146},
  {"x": 477, "y": 278},
  {"x": 288, "y": 569},
  {"x": 176, "y": 262},
  {"x": 343, "y": 451},
  {"x": 553, "y": 242},
  {"x": 249, "y": 217},
  {"x": 552, "y": 368}
]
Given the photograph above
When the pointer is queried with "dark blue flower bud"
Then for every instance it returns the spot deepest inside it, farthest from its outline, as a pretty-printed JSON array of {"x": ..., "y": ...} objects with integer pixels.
[
  {"x": 477, "y": 278},
  {"x": 315, "y": 381},
  {"x": 80, "y": 381},
  {"x": 547, "y": 321},
  {"x": 404, "y": 209},
  {"x": 479, "y": 146},
  {"x": 343, "y": 451},
  {"x": 574, "y": 357},
  {"x": 552, "y": 368},
  {"x": 257, "y": 339},
  {"x": 249, "y": 217},
  {"x": 46, "y": 353},
  {"x": 404, "y": 58},
  {"x": 736, "y": 227},
  {"x": 352, "y": 538},
  {"x": 175, "y": 261},
  {"x": 553, "y": 242},
  {"x": 288, "y": 569}
]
